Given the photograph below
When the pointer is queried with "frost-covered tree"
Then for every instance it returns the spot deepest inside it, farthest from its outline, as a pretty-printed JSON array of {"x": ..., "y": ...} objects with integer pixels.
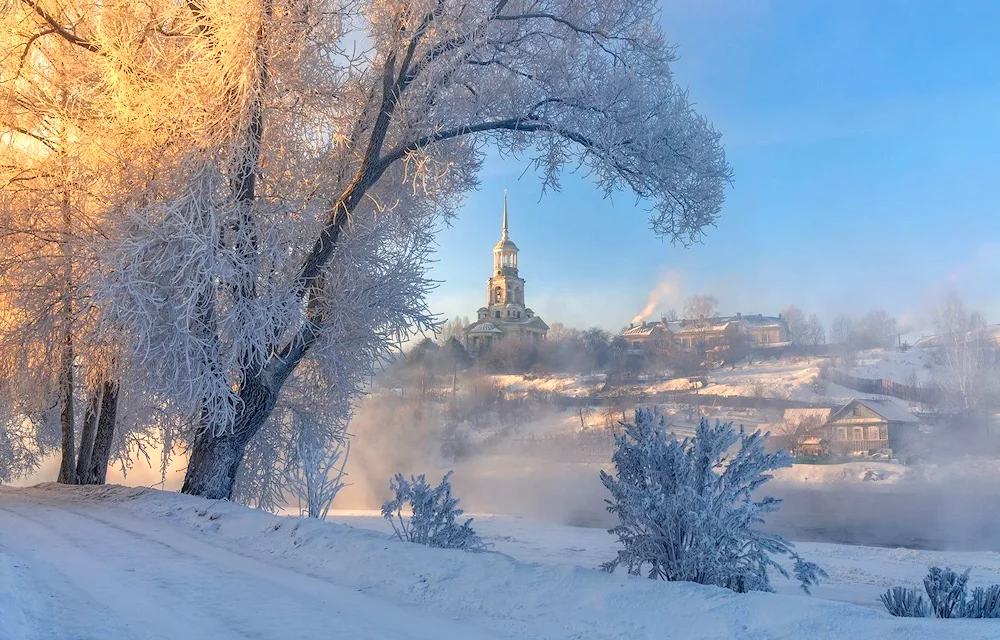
[
  {"x": 59, "y": 177},
  {"x": 700, "y": 307},
  {"x": 797, "y": 324},
  {"x": 434, "y": 514},
  {"x": 454, "y": 329},
  {"x": 290, "y": 159},
  {"x": 842, "y": 330},
  {"x": 301, "y": 452},
  {"x": 814, "y": 332},
  {"x": 687, "y": 509},
  {"x": 969, "y": 377},
  {"x": 315, "y": 475}
]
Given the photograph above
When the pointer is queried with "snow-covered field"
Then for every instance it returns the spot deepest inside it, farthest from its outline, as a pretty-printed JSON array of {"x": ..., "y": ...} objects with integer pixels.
[
  {"x": 88, "y": 563},
  {"x": 858, "y": 574}
]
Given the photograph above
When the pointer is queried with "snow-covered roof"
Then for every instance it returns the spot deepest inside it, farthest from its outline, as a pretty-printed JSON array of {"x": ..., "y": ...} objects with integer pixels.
[
  {"x": 759, "y": 320},
  {"x": 644, "y": 329},
  {"x": 888, "y": 409},
  {"x": 699, "y": 326}
]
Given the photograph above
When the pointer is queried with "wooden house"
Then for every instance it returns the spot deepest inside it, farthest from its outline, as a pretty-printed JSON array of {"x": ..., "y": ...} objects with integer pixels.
[
  {"x": 866, "y": 427},
  {"x": 859, "y": 428}
]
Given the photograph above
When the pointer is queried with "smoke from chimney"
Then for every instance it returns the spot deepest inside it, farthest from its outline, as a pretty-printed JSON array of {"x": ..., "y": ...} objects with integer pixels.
[{"x": 668, "y": 287}]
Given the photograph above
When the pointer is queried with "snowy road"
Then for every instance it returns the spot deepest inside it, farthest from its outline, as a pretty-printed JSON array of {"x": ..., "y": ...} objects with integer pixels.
[
  {"x": 120, "y": 563},
  {"x": 87, "y": 571}
]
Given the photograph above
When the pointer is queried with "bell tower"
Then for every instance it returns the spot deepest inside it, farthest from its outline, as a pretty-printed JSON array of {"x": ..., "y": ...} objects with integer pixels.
[{"x": 505, "y": 288}]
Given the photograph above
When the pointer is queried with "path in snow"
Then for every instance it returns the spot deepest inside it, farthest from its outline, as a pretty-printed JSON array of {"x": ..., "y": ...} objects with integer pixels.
[{"x": 93, "y": 572}]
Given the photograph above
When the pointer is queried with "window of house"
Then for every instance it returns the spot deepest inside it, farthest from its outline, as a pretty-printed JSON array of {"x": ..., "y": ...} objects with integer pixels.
[
  {"x": 841, "y": 433},
  {"x": 873, "y": 433},
  {"x": 858, "y": 433},
  {"x": 496, "y": 314},
  {"x": 884, "y": 433}
]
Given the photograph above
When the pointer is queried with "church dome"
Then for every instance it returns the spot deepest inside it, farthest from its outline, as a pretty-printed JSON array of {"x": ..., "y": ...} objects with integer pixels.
[
  {"x": 506, "y": 245},
  {"x": 485, "y": 327}
]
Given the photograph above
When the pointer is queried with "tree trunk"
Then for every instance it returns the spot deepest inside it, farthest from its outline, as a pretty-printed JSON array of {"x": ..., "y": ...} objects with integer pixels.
[
  {"x": 103, "y": 439},
  {"x": 215, "y": 459},
  {"x": 67, "y": 470},
  {"x": 87, "y": 438}
]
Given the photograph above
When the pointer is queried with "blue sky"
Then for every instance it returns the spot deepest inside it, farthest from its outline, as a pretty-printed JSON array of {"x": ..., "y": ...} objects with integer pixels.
[{"x": 865, "y": 141}]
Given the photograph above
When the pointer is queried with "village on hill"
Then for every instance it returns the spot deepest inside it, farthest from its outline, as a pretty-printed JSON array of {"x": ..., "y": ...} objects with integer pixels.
[{"x": 510, "y": 382}]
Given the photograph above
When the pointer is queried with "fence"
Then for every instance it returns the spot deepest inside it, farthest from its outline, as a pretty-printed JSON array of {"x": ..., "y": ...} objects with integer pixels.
[{"x": 880, "y": 386}]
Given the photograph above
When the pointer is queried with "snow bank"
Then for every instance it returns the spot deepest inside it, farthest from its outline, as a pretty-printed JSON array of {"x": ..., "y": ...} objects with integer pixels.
[{"x": 516, "y": 599}]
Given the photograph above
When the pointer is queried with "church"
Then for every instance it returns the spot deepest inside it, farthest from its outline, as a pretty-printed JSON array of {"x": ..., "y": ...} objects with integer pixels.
[{"x": 504, "y": 316}]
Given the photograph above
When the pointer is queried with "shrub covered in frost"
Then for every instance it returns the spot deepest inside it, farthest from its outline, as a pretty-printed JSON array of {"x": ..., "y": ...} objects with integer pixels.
[
  {"x": 434, "y": 519},
  {"x": 686, "y": 508},
  {"x": 947, "y": 597},
  {"x": 905, "y": 603}
]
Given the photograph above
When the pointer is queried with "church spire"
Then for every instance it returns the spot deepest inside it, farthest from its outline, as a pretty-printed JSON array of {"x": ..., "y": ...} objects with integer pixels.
[{"x": 504, "y": 236}]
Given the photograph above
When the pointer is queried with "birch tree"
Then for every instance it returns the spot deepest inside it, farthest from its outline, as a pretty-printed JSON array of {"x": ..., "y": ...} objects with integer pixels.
[
  {"x": 296, "y": 156},
  {"x": 51, "y": 186},
  {"x": 967, "y": 377}
]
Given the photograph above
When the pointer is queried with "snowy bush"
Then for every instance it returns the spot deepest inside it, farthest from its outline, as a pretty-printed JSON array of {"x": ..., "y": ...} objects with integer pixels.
[
  {"x": 947, "y": 594},
  {"x": 984, "y": 603},
  {"x": 905, "y": 603},
  {"x": 434, "y": 519},
  {"x": 686, "y": 508},
  {"x": 946, "y": 591},
  {"x": 315, "y": 475}
]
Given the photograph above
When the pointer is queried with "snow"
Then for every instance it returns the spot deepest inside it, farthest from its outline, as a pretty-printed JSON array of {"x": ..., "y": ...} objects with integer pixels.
[
  {"x": 788, "y": 378},
  {"x": 858, "y": 574},
  {"x": 913, "y": 367},
  {"x": 139, "y": 563},
  {"x": 13, "y": 624},
  {"x": 569, "y": 385},
  {"x": 881, "y": 472}
]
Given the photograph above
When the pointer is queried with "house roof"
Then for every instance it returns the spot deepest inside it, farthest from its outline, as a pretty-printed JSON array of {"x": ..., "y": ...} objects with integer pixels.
[
  {"x": 699, "y": 326},
  {"x": 643, "y": 329},
  {"x": 759, "y": 320},
  {"x": 888, "y": 409}
]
